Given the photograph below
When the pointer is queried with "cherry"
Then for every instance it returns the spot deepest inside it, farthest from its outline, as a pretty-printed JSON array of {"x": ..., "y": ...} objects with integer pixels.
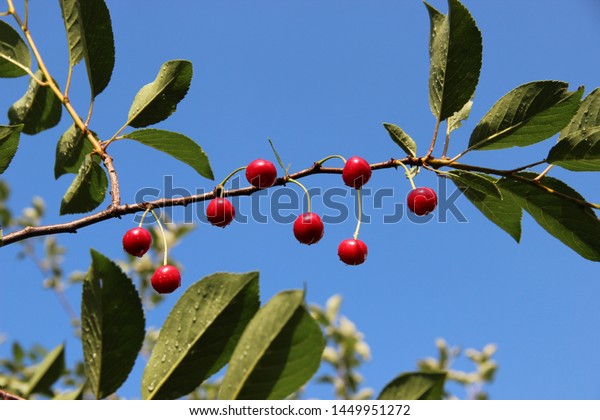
[
  {"x": 220, "y": 212},
  {"x": 353, "y": 251},
  {"x": 422, "y": 201},
  {"x": 356, "y": 172},
  {"x": 308, "y": 228},
  {"x": 261, "y": 173},
  {"x": 166, "y": 279},
  {"x": 137, "y": 241}
]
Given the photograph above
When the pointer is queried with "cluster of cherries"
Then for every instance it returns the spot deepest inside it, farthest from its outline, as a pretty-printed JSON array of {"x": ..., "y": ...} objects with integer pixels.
[{"x": 308, "y": 228}]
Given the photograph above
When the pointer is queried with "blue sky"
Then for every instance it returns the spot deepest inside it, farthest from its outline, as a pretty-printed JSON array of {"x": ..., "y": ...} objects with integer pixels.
[{"x": 319, "y": 78}]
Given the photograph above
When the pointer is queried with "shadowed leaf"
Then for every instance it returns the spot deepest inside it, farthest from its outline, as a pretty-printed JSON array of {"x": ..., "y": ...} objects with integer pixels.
[
  {"x": 112, "y": 325},
  {"x": 574, "y": 225},
  {"x": 90, "y": 38},
  {"x": 9, "y": 143},
  {"x": 13, "y": 47},
  {"x": 38, "y": 110},
  {"x": 88, "y": 189},
  {"x": 71, "y": 149},
  {"x": 415, "y": 386}
]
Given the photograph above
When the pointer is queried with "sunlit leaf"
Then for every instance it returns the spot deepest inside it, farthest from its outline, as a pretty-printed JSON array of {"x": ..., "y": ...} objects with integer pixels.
[
  {"x": 402, "y": 139},
  {"x": 157, "y": 100},
  {"x": 46, "y": 373},
  {"x": 279, "y": 351},
  {"x": 176, "y": 145},
  {"x": 526, "y": 115},
  {"x": 579, "y": 151},
  {"x": 455, "y": 53},
  {"x": 455, "y": 121},
  {"x": 200, "y": 333},
  {"x": 587, "y": 116}
]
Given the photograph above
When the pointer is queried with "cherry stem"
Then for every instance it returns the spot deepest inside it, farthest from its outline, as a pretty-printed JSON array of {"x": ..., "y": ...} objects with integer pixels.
[
  {"x": 359, "y": 217},
  {"x": 305, "y": 192},
  {"x": 144, "y": 216},
  {"x": 543, "y": 173},
  {"x": 322, "y": 161},
  {"x": 162, "y": 231},
  {"x": 227, "y": 178},
  {"x": 408, "y": 174}
]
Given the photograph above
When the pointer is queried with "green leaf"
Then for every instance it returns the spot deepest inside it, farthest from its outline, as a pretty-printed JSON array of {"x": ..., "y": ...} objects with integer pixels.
[
  {"x": 90, "y": 37},
  {"x": 526, "y": 115},
  {"x": 402, "y": 139},
  {"x": 574, "y": 225},
  {"x": 12, "y": 46},
  {"x": 200, "y": 333},
  {"x": 415, "y": 386},
  {"x": 177, "y": 145},
  {"x": 88, "y": 189},
  {"x": 38, "y": 110},
  {"x": 157, "y": 100},
  {"x": 76, "y": 394},
  {"x": 112, "y": 325},
  {"x": 279, "y": 351},
  {"x": 455, "y": 53},
  {"x": 71, "y": 149},
  {"x": 478, "y": 182},
  {"x": 579, "y": 151},
  {"x": 504, "y": 212},
  {"x": 9, "y": 142},
  {"x": 46, "y": 373},
  {"x": 279, "y": 161},
  {"x": 587, "y": 116},
  {"x": 455, "y": 121}
]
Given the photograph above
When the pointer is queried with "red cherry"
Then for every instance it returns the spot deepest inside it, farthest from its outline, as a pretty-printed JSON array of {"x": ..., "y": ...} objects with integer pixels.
[
  {"x": 166, "y": 279},
  {"x": 261, "y": 173},
  {"x": 308, "y": 228},
  {"x": 137, "y": 241},
  {"x": 220, "y": 212},
  {"x": 422, "y": 201},
  {"x": 356, "y": 173},
  {"x": 353, "y": 251}
]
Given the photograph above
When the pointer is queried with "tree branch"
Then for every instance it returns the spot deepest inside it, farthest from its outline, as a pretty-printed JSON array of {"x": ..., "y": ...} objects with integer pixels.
[
  {"x": 122, "y": 210},
  {"x": 117, "y": 211}
]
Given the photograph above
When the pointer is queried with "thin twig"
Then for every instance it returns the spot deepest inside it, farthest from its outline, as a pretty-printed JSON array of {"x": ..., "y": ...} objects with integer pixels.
[{"x": 5, "y": 395}]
